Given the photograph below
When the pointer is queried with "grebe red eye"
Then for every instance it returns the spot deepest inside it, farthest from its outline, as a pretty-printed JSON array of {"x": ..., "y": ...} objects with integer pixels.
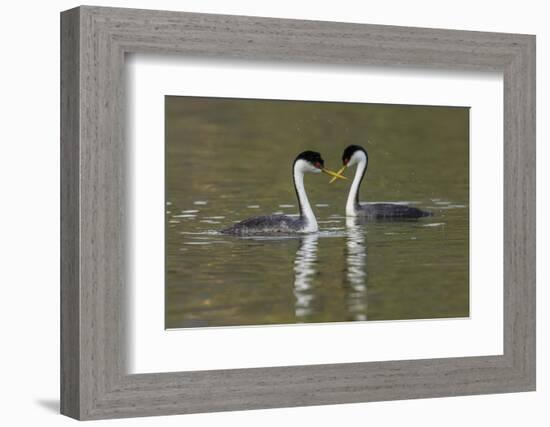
[
  {"x": 346, "y": 162},
  {"x": 317, "y": 165}
]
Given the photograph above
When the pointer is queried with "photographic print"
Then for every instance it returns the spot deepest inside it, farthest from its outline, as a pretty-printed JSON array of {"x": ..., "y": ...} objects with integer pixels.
[{"x": 293, "y": 212}]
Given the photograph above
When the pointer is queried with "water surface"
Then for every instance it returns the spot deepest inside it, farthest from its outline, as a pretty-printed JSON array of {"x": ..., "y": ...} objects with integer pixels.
[{"x": 228, "y": 159}]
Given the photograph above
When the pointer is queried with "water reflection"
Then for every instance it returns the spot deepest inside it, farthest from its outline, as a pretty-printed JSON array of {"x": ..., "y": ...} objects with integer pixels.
[
  {"x": 304, "y": 269},
  {"x": 307, "y": 298},
  {"x": 356, "y": 273}
]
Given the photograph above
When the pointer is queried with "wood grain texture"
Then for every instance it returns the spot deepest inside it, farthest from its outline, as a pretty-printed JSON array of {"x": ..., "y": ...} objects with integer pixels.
[
  {"x": 94, "y": 382},
  {"x": 70, "y": 259}
]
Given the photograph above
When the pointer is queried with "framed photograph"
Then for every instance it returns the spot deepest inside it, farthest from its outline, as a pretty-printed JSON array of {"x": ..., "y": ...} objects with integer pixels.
[{"x": 262, "y": 213}]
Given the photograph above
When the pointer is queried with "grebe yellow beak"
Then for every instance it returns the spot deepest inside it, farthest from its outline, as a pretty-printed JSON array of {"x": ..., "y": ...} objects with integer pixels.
[
  {"x": 339, "y": 174},
  {"x": 335, "y": 175}
]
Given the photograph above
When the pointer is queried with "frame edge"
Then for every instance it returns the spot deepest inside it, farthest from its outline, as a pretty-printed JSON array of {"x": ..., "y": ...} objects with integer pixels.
[{"x": 70, "y": 395}]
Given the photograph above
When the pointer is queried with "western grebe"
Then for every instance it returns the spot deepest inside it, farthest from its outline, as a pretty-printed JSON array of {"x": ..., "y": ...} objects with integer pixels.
[
  {"x": 355, "y": 154},
  {"x": 308, "y": 161}
]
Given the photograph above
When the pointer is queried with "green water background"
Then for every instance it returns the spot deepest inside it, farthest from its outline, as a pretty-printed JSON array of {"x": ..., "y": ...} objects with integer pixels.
[{"x": 229, "y": 159}]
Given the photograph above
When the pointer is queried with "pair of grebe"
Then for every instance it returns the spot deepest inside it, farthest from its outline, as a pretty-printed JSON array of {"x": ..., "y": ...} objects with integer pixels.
[{"x": 312, "y": 162}]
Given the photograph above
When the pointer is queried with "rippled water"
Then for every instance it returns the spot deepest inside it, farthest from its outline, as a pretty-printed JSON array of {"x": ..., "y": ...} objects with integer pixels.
[{"x": 227, "y": 160}]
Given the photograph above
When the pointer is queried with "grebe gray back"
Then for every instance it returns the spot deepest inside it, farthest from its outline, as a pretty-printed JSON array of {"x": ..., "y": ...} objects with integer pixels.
[
  {"x": 355, "y": 154},
  {"x": 308, "y": 161}
]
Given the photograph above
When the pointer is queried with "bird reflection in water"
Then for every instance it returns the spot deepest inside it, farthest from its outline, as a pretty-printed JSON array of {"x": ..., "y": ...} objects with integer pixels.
[
  {"x": 354, "y": 283},
  {"x": 304, "y": 269},
  {"x": 355, "y": 273}
]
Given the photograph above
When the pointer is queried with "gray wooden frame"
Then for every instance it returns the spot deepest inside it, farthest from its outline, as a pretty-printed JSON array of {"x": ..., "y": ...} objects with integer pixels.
[{"x": 94, "y": 382}]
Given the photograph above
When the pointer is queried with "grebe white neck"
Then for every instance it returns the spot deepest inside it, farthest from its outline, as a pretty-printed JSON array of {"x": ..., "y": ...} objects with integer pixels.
[
  {"x": 352, "y": 203},
  {"x": 301, "y": 167}
]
